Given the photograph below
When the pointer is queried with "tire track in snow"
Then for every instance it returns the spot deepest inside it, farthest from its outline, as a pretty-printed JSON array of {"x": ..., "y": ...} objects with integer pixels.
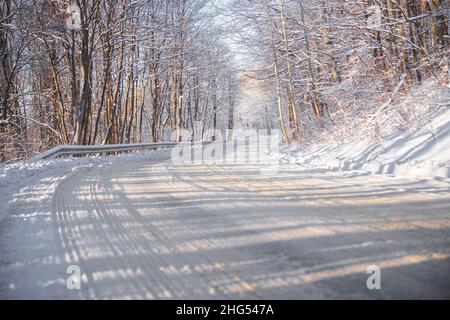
[{"x": 176, "y": 258}]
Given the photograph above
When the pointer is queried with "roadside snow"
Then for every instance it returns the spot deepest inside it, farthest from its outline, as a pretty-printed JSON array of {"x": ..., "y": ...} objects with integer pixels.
[{"x": 415, "y": 153}]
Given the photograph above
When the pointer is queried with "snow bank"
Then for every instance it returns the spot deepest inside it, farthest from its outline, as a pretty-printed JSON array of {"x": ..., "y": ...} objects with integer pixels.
[{"x": 420, "y": 152}]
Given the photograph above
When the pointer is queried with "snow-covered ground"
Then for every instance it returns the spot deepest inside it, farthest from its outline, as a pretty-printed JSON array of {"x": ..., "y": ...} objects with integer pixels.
[
  {"x": 149, "y": 229},
  {"x": 420, "y": 150}
]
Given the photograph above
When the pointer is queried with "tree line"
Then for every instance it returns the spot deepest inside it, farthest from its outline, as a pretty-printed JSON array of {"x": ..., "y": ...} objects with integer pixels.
[
  {"x": 337, "y": 57},
  {"x": 130, "y": 71},
  {"x": 108, "y": 71}
]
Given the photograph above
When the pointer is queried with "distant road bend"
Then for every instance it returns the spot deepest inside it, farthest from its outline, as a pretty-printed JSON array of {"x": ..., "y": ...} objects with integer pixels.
[{"x": 155, "y": 230}]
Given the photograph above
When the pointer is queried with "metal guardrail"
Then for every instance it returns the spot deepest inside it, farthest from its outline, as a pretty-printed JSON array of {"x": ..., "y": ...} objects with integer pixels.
[{"x": 75, "y": 150}]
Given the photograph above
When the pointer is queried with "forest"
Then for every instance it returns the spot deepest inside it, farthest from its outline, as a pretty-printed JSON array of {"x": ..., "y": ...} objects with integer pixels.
[{"x": 90, "y": 72}]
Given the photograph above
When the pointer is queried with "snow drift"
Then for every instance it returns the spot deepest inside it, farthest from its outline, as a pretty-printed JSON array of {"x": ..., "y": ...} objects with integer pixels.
[{"x": 420, "y": 149}]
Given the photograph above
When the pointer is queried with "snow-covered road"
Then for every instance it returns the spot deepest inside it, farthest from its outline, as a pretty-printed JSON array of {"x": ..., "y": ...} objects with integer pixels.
[{"x": 151, "y": 229}]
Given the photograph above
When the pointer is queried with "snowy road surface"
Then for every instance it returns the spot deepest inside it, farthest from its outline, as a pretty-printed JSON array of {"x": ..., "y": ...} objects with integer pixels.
[{"x": 150, "y": 229}]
